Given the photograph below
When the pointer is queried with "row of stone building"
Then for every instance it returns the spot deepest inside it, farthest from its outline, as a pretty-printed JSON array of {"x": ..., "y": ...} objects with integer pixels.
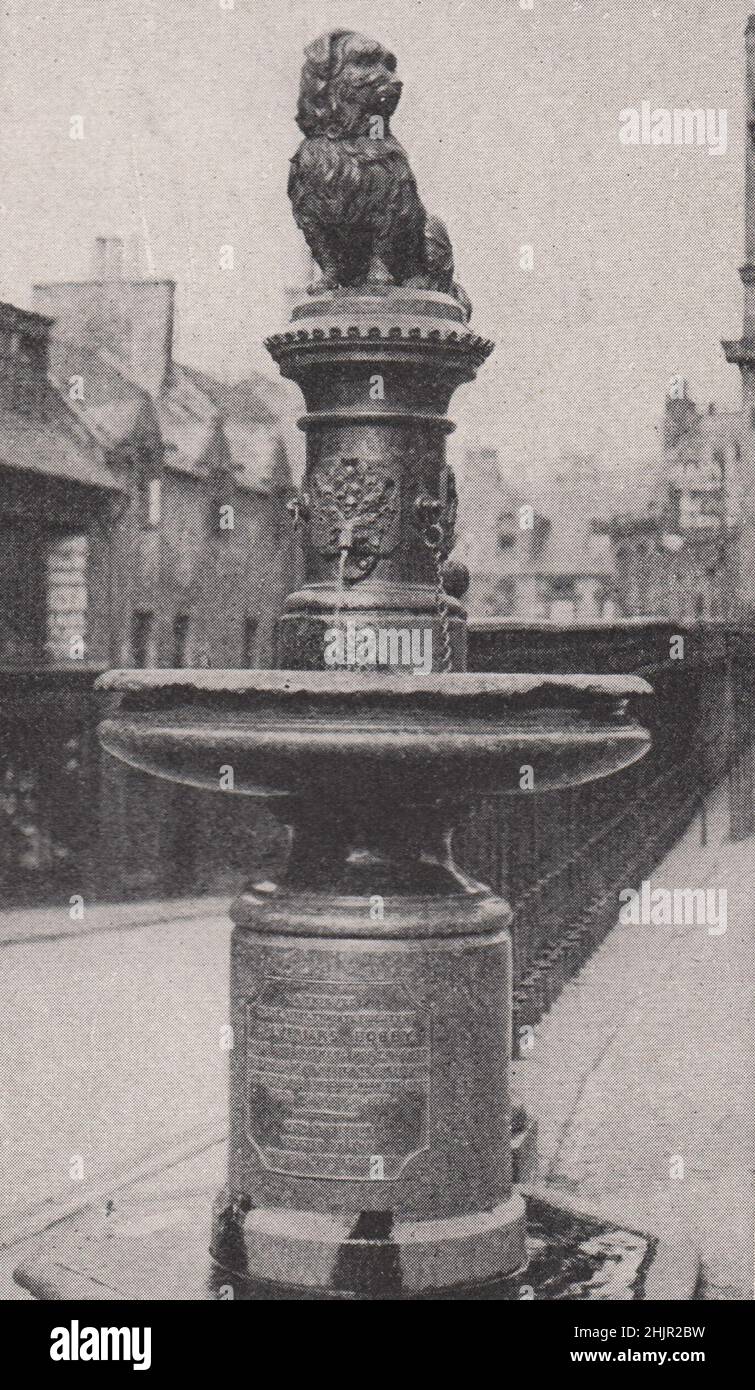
[
  {"x": 693, "y": 554},
  {"x": 142, "y": 522},
  {"x": 671, "y": 537},
  {"x": 581, "y": 544},
  {"x": 141, "y": 501}
]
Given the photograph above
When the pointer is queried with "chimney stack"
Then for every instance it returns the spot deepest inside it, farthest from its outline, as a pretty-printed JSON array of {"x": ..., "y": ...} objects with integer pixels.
[
  {"x": 130, "y": 318},
  {"x": 107, "y": 258}
]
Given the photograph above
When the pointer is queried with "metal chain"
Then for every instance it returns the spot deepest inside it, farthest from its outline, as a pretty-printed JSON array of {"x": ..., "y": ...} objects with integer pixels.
[
  {"x": 430, "y": 516},
  {"x": 433, "y": 538}
]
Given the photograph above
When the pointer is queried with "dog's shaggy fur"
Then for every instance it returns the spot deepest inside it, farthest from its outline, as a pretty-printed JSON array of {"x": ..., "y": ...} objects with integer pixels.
[
  {"x": 439, "y": 265},
  {"x": 352, "y": 191}
]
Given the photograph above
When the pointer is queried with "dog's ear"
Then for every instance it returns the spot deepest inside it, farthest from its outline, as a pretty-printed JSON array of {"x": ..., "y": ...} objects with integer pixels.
[
  {"x": 321, "y": 52},
  {"x": 323, "y": 57}
]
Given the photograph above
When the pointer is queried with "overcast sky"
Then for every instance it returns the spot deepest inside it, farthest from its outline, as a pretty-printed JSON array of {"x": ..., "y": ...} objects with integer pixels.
[{"x": 511, "y": 120}]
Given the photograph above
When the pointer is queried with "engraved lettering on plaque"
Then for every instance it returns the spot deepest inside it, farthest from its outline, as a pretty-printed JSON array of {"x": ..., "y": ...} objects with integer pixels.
[{"x": 336, "y": 1073}]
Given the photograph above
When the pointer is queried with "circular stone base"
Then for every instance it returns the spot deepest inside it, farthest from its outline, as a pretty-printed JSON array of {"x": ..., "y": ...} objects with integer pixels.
[
  {"x": 155, "y": 1248},
  {"x": 373, "y": 1257},
  {"x": 376, "y": 299}
]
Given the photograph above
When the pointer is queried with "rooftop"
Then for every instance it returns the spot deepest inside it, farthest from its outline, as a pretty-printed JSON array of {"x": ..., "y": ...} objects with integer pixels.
[
  {"x": 38, "y": 447},
  {"x": 187, "y": 415}
]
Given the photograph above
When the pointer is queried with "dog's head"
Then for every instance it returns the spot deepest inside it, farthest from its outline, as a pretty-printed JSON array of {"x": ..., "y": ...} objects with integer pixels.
[{"x": 346, "y": 79}]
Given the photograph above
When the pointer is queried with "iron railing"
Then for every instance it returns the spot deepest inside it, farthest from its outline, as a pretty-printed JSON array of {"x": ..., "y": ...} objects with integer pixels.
[{"x": 562, "y": 858}]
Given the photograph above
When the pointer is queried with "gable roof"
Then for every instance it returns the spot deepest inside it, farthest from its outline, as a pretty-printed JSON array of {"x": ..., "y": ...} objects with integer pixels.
[
  {"x": 109, "y": 406},
  {"x": 199, "y": 420},
  {"x": 45, "y": 447},
  {"x": 252, "y": 427},
  {"x": 257, "y": 400}
]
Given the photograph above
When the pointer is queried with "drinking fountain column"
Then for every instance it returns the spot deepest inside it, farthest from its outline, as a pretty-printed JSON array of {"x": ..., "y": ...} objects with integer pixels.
[
  {"x": 371, "y": 1148},
  {"x": 377, "y": 507},
  {"x": 370, "y": 1144}
]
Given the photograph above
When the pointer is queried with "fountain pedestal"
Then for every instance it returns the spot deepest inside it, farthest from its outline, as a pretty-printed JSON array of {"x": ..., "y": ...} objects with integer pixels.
[
  {"x": 370, "y": 1145},
  {"x": 377, "y": 369},
  {"x": 370, "y": 1150},
  {"x": 371, "y": 1120},
  {"x": 370, "y": 1128}
]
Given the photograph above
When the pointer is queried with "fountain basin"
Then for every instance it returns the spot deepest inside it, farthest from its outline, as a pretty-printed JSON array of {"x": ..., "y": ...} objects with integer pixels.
[
  {"x": 321, "y": 734},
  {"x": 370, "y": 988}
]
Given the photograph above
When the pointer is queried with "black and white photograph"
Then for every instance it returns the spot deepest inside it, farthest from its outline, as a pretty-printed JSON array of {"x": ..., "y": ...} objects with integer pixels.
[{"x": 377, "y": 666}]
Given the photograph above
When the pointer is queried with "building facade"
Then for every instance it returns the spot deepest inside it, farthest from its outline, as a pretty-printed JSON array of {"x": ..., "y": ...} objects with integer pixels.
[
  {"x": 58, "y": 504},
  {"x": 201, "y": 553},
  {"x": 680, "y": 557},
  {"x": 533, "y": 556},
  {"x": 142, "y": 522}
]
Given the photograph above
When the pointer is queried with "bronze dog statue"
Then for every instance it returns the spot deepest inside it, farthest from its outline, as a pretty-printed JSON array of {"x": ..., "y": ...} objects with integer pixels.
[{"x": 352, "y": 191}]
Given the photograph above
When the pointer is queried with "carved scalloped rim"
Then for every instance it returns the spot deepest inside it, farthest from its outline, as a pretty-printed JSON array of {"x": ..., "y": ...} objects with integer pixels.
[{"x": 468, "y": 342}]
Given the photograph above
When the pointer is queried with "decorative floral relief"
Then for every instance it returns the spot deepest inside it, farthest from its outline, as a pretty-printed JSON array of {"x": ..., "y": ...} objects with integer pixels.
[{"x": 350, "y": 508}]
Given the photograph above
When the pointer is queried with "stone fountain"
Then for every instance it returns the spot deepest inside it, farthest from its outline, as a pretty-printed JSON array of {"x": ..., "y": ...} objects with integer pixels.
[{"x": 370, "y": 1146}]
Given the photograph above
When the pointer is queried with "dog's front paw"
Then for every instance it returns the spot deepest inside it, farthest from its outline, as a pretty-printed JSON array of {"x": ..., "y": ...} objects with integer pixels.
[
  {"x": 378, "y": 273},
  {"x": 325, "y": 283}
]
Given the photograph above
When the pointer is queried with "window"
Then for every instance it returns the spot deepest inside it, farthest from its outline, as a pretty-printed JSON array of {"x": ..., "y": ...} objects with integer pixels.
[
  {"x": 151, "y": 500},
  {"x": 507, "y": 528},
  {"x": 67, "y": 598},
  {"x": 503, "y": 603},
  {"x": 181, "y": 625},
  {"x": 154, "y": 502},
  {"x": 142, "y": 639},
  {"x": 249, "y": 654}
]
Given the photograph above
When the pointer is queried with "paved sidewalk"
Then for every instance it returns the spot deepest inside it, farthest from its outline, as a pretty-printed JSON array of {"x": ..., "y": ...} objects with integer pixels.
[
  {"x": 22, "y": 924},
  {"x": 112, "y": 1041},
  {"x": 648, "y": 1056},
  {"x": 110, "y": 1050}
]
